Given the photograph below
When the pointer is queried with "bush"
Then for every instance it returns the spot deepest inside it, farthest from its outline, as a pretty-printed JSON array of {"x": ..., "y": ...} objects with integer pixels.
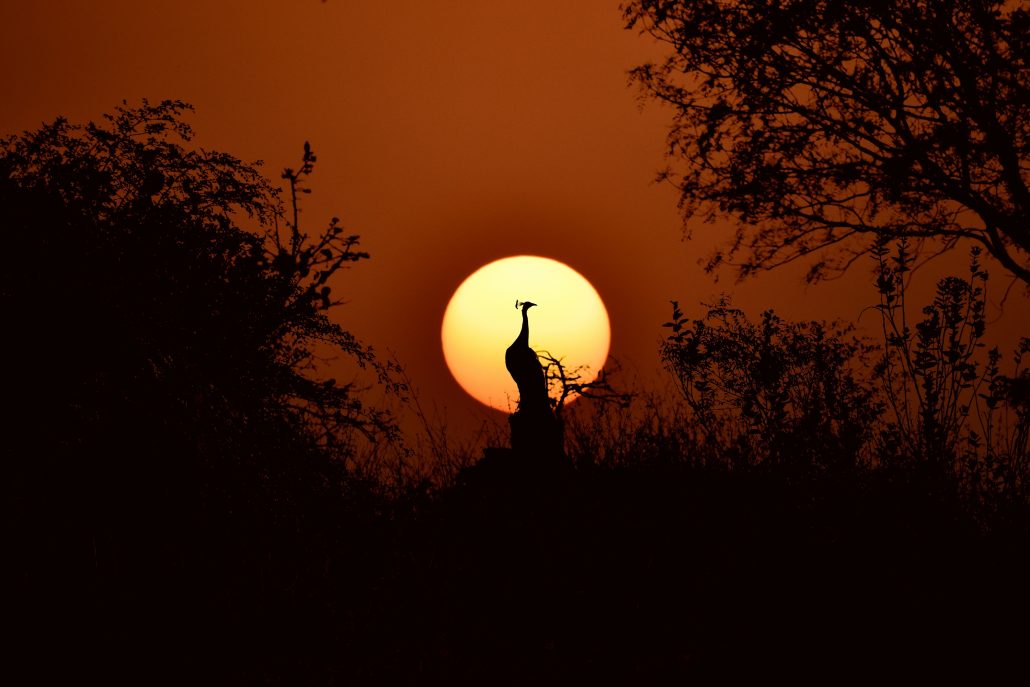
[{"x": 775, "y": 392}]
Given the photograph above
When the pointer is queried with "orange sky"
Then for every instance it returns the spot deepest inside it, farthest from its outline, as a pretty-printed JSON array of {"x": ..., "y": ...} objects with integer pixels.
[{"x": 449, "y": 134}]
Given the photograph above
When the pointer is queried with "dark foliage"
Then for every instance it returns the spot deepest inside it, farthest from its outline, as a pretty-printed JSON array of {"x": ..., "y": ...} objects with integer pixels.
[
  {"x": 184, "y": 507},
  {"x": 951, "y": 407},
  {"x": 803, "y": 395},
  {"x": 813, "y": 122},
  {"x": 171, "y": 451},
  {"x": 774, "y": 391}
]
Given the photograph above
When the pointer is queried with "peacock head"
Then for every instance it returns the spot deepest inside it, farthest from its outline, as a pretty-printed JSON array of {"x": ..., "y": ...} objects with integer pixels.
[{"x": 525, "y": 305}]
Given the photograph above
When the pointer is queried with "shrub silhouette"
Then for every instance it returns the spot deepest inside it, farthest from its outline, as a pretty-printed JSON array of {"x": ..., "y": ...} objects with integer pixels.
[
  {"x": 941, "y": 388},
  {"x": 929, "y": 398},
  {"x": 775, "y": 391}
]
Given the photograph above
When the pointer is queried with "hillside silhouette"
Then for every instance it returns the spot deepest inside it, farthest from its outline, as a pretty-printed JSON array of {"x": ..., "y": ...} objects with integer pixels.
[{"x": 184, "y": 505}]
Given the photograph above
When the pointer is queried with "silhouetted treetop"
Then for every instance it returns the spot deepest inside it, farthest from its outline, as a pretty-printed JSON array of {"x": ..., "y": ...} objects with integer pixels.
[
  {"x": 812, "y": 123},
  {"x": 178, "y": 461},
  {"x": 135, "y": 158},
  {"x": 168, "y": 284}
]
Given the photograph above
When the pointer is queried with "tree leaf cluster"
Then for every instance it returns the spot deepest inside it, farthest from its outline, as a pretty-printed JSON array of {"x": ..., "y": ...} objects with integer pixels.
[
  {"x": 815, "y": 124},
  {"x": 134, "y": 254}
]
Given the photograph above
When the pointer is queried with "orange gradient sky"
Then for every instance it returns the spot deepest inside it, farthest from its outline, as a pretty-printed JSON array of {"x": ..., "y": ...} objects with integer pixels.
[{"x": 449, "y": 134}]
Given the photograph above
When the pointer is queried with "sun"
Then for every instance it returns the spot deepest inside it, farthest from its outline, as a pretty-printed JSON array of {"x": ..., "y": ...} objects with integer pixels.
[{"x": 570, "y": 322}]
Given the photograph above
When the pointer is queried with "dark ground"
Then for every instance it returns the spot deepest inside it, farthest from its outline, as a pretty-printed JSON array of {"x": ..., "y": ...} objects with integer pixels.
[{"x": 534, "y": 575}]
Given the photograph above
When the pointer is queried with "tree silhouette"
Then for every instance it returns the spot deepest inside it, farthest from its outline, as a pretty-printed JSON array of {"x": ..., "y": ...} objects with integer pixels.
[
  {"x": 815, "y": 123},
  {"x": 173, "y": 442},
  {"x": 138, "y": 241},
  {"x": 568, "y": 383}
]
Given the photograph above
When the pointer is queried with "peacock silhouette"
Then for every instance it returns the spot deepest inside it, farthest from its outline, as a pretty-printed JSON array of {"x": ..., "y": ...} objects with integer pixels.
[
  {"x": 524, "y": 366},
  {"x": 536, "y": 432}
]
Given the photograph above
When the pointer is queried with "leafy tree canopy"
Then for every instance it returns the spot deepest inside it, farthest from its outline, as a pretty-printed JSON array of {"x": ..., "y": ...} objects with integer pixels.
[
  {"x": 162, "y": 304},
  {"x": 813, "y": 123}
]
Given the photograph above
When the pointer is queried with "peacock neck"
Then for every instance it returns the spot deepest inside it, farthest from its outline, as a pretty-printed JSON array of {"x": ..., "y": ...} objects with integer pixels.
[{"x": 524, "y": 334}]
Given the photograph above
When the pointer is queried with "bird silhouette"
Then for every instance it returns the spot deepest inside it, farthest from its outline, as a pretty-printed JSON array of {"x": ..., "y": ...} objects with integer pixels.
[{"x": 524, "y": 366}]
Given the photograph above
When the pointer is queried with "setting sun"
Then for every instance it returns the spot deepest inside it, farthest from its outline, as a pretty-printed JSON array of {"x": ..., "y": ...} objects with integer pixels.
[{"x": 481, "y": 321}]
